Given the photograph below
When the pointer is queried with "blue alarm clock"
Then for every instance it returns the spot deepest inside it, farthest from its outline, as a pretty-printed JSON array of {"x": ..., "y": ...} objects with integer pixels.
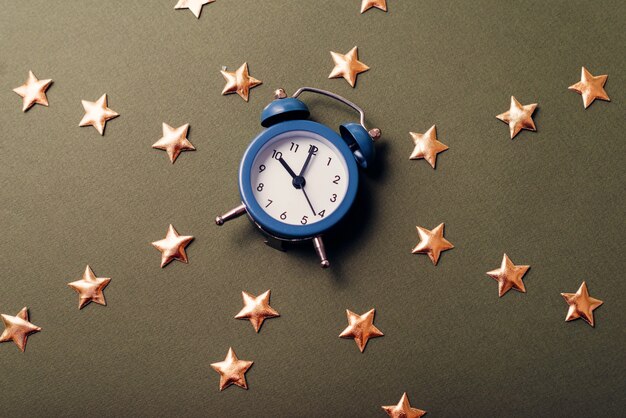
[{"x": 298, "y": 178}]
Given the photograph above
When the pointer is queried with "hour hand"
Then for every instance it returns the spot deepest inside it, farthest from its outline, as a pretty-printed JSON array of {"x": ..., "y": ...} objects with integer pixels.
[{"x": 289, "y": 170}]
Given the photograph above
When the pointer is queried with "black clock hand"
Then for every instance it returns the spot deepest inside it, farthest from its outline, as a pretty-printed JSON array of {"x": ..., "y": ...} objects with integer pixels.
[
  {"x": 289, "y": 170},
  {"x": 308, "y": 200},
  {"x": 308, "y": 159}
]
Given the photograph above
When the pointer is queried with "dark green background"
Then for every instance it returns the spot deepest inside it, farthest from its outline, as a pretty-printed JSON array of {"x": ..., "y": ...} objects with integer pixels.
[{"x": 553, "y": 199}]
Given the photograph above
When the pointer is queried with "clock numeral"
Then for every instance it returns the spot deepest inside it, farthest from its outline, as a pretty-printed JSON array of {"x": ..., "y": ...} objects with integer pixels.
[
  {"x": 283, "y": 216},
  {"x": 313, "y": 149},
  {"x": 333, "y": 198},
  {"x": 329, "y": 160},
  {"x": 270, "y": 202},
  {"x": 337, "y": 178},
  {"x": 322, "y": 213},
  {"x": 261, "y": 168},
  {"x": 304, "y": 220},
  {"x": 294, "y": 147},
  {"x": 260, "y": 187},
  {"x": 277, "y": 154}
]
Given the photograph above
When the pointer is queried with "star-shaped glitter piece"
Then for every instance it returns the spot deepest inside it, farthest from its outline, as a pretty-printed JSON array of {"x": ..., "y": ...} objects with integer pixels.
[
  {"x": 194, "y": 5},
  {"x": 97, "y": 114},
  {"x": 239, "y": 82},
  {"x": 519, "y": 117},
  {"x": 90, "y": 288},
  {"x": 232, "y": 370},
  {"x": 33, "y": 92},
  {"x": 361, "y": 328},
  {"x": 257, "y": 309},
  {"x": 348, "y": 66},
  {"x": 432, "y": 243},
  {"x": 17, "y": 328},
  {"x": 368, "y": 4},
  {"x": 174, "y": 141},
  {"x": 172, "y": 247},
  {"x": 590, "y": 87},
  {"x": 509, "y": 276},
  {"x": 581, "y": 305},
  {"x": 427, "y": 146},
  {"x": 403, "y": 409}
]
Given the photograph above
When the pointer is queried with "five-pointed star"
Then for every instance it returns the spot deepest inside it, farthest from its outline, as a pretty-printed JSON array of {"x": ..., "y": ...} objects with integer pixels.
[
  {"x": 581, "y": 305},
  {"x": 590, "y": 87},
  {"x": 172, "y": 247},
  {"x": 427, "y": 146},
  {"x": 519, "y": 117},
  {"x": 90, "y": 288},
  {"x": 97, "y": 114},
  {"x": 232, "y": 370},
  {"x": 403, "y": 409},
  {"x": 347, "y": 66},
  {"x": 509, "y": 276},
  {"x": 361, "y": 328},
  {"x": 239, "y": 82},
  {"x": 432, "y": 243},
  {"x": 33, "y": 91},
  {"x": 368, "y": 4},
  {"x": 174, "y": 141},
  {"x": 256, "y": 309},
  {"x": 194, "y": 5},
  {"x": 18, "y": 328}
]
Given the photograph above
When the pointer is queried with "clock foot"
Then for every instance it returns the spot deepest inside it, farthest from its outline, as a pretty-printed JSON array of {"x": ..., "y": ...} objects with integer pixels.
[
  {"x": 275, "y": 244},
  {"x": 231, "y": 214},
  {"x": 318, "y": 244}
]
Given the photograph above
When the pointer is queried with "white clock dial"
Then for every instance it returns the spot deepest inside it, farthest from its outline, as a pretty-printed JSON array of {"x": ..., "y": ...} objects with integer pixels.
[{"x": 281, "y": 160}]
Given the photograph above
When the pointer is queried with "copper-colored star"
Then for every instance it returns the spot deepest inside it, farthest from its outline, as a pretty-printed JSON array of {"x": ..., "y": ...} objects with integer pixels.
[
  {"x": 368, "y": 4},
  {"x": 239, "y": 82},
  {"x": 581, "y": 305},
  {"x": 256, "y": 309},
  {"x": 348, "y": 66},
  {"x": 194, "y": 5},
  {"x": 33, "y": 91},
  {"x": 427, "y": 146},
  {"x": 519, "y": 117},
  {"x": 17, "y": 328},
  {"x": 172, "y": 247},
  {"x": 361, "y": 328},
  {"x": 232, "y": 370},
  {"x": 509, "y": 276},
  {"x": 90, "y": 288},
  {"x": 432, "y": 243},
  {"x": 591, "y": 87},
  {"x": 174, "y": 141},
  {"x": 97, "y": 114},
  {"x": 403, "y": 409}
]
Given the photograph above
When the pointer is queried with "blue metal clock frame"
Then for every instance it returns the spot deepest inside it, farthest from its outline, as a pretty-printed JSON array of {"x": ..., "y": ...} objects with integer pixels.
[{"x": 266, "y": 222}]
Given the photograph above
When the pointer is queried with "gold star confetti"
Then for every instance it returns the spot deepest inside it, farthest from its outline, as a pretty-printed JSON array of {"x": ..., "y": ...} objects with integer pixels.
[
  {"x": 256, "y": 309},
  {"x": 232, "y": 370},
  {"x": 97, "y": 114},
  {"x": 18, "y": 328},
  {"x": 368, "y": 4},
  {"x": 361, "y": 328},
  {"x": 427, "y": 146},
  {"x": 348, "y": 66},
  {"x": 194, "y": 5},
  {"x": 403, "y": 409},
  {"x": 172, "y": 247},
  {"x": 509, "y": 276},
  {"x": 518, "y": 117},
  {"x": 432, "y": 243},
  {"x": 239, "y": 82},
  {"x": 90, "y": 288},
  {"x": 590, "y": 87},
  {"x": 33, "y": 91},
  {"x": 174, "y": 141},
  {"x": 581, "y": 305}
]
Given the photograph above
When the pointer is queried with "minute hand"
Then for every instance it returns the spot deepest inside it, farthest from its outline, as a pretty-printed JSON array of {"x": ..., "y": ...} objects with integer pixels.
[{"x": 308, "y": 160}]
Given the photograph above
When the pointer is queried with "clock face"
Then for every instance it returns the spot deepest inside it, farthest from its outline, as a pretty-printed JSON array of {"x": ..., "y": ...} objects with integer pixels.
[{"x": 290, "y": 195}]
